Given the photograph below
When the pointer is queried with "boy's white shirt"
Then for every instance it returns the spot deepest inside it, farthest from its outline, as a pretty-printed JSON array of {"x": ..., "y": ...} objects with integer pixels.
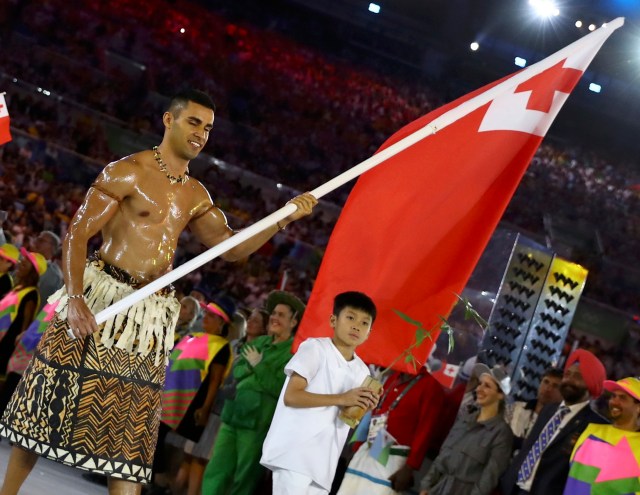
[{"x": 309, "y": 440}]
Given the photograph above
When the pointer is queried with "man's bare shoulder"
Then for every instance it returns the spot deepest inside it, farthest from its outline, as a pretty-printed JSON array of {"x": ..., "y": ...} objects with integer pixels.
[
  {"x": 119, "y": 179},
  {"x": 132, "y": 165},
  {"x": 201, "y": 197}
]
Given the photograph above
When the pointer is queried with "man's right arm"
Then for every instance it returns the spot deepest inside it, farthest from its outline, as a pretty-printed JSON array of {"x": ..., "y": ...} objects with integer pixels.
[{"x": 99, "y": 206}]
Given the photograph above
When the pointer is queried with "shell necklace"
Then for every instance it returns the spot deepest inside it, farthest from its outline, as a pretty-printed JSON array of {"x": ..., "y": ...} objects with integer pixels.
[{"x": 163, "y": 167}]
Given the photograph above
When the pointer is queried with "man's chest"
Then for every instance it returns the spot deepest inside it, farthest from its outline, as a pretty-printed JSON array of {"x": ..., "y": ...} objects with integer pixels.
[{"x": 160, "y": 205}]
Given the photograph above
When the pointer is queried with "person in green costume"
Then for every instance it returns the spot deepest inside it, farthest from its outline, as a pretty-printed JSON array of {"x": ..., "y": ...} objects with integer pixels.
[{"x": 234, "y": 467}]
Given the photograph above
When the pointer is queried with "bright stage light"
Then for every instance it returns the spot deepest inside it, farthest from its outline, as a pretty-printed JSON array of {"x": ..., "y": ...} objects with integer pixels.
[
  {"x": 182, "y": 30},
  {"x": 545, "y": 8},
  {"x": 596, "y": 88},
  {"x": 474, "y": 46},
  {"x": 592, "y": 27},
  {"x": 578, "y": 24},
  {"x": 521, "y": 62},
  {"x": 374, "y": 7}
]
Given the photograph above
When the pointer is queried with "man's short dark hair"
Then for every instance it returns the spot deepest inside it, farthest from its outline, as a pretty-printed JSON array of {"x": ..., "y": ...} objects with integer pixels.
[
  {"x": 355, "y": 300},
  {"x": 180, "y": 101},
  {"x": 553, "y": 373}
]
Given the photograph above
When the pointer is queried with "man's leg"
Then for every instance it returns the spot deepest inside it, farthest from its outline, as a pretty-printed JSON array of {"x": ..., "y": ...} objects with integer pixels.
[
  {"x": 20, "y": 464},
  {"x": 221, "y": 470},
  {"x": 122, "y": 487}
]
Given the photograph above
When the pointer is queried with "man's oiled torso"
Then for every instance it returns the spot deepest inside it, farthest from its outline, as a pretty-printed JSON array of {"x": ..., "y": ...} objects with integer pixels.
[{"x": 141, "y": 238}]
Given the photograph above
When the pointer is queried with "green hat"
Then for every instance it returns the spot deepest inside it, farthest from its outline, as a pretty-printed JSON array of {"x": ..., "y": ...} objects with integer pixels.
[{"x": 276, "y": 297}]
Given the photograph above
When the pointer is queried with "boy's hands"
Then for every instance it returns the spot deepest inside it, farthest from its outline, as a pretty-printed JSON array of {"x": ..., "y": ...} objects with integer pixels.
[{"x": 361, "y": 396}]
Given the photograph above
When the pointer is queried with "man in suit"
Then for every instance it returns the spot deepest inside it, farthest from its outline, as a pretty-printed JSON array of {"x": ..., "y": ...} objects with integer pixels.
[{"x": 542, "y": 464}]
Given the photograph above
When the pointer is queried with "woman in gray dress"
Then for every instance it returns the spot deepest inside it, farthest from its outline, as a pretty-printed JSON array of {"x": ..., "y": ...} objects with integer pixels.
[{"x": 478, "y": 448}]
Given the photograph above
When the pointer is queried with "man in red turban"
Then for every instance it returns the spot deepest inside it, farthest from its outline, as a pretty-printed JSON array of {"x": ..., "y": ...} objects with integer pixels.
[
  {"x": 541, "y": 467},
  {"x": 591, "y": 369}
]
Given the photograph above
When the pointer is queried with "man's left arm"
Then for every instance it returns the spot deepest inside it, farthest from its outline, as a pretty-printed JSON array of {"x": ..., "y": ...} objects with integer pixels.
[{"x": 210, "y": 226}]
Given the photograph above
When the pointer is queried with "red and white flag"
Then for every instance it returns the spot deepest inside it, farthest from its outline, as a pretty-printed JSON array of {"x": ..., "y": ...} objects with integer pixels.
[
  {"x": 5, "y": 133},
  {"x": 447, "y": 374},
  {"x": 414, "y": 227}
]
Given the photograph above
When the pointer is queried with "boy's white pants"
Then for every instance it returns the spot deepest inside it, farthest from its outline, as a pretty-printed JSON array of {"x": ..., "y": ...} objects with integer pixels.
[{"x": 289, "y": 483}]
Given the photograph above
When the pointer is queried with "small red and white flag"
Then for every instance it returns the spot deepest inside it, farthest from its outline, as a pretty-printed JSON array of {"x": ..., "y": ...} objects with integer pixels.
[
  {"x": 5, "y": 133},
  {"x": 447, "y": 374},
  {"x": 415, "y": 225}
]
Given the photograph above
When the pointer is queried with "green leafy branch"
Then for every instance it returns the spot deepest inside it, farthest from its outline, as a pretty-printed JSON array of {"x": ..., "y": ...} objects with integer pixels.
[{"x": 422, "y": 333}]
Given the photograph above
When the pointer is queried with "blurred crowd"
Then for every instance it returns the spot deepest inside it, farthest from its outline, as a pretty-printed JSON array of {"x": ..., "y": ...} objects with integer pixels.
[{"x": 305, "y": 116}]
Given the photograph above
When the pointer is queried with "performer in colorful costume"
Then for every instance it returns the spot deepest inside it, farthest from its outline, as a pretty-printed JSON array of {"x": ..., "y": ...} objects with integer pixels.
[
  {"x": 18, "y": 307},
  {"x": 26, "y": 346},
  {"x": 606, "y": 458},
  {"x": 9, "y": 256},
  {"x": 197, "y": 367}
]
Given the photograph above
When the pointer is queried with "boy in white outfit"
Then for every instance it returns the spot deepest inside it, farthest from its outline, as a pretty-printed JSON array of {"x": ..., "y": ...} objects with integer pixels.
[{"x": 306, "y": 436}]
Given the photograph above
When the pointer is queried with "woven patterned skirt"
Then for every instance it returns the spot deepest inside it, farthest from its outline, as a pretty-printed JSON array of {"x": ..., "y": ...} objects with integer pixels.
[{"x": 91, "y": 404}]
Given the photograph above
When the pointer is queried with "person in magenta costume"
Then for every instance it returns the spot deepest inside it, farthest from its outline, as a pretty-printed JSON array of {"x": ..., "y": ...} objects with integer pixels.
[{"x": 606, "y": 458}]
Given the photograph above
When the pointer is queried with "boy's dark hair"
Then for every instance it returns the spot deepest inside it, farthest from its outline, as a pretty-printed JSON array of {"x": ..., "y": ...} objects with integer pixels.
[
  {"x": 356, "y": 300},
  {"x": 180, "y": 101}
]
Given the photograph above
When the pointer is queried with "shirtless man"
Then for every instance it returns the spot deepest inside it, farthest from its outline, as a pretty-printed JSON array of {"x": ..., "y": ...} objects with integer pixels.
[{"x": 93, "y": 401}]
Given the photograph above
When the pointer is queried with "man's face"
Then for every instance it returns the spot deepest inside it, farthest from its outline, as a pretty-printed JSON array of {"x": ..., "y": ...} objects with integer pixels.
[
  {"x": 351, "y": 326},
  {"x": 623, "y": 408},
  {"x": 281, "y": 322},
  {"x": 549, "y": 390},
  {"x": 573, "y": 387},
  {"x": 189, "y": 129}
]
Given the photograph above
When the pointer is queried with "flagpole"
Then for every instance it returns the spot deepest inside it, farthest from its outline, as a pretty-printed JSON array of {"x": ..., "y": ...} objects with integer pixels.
[{"x": 437, "y": 124}]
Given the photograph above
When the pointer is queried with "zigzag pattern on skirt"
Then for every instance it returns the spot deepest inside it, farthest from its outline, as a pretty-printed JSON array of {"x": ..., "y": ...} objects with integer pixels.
[{"x": 88, "y": 406}]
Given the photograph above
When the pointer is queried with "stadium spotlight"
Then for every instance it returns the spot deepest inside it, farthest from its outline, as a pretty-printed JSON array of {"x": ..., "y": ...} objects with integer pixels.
[
  {"x": 592, "y": 27},
  {"x": 578, "y": 24},
  {"x": 374, "y": 7},
  {"x": 182, "y": 30},
  {"x": 545, "y": 8},
  {"x": 596, "y": 88},
  {"x": 521, "y": 62},
  {"x": 474, "y": 46}
]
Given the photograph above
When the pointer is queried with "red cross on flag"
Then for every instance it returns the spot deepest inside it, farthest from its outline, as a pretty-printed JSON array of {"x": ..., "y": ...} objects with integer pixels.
[
  {"x": 5, "y": 134},
  {"x": 414, "y": 227}
]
